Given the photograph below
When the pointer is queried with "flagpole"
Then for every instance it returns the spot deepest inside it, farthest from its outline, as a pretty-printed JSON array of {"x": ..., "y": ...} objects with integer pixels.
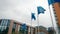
[
  {"x": 40, "y": 10},
  {"x": 31, "y": 24},
  {"x": 51, "y": 17},
  {"x": 51, "y": 2},
  {"x": 38, "y": 22},
  {"x": 56, "y": 25}
]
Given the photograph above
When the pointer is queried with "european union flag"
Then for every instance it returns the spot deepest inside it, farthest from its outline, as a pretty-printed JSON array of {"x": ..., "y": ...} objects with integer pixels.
[
  {"x": 51, "y": 2},
  {"x": 57, "y": 0},
  {"x": 23, "y": 27},
  {"x": 33, "y": 16},
  {"x": 40, "y": 9}
]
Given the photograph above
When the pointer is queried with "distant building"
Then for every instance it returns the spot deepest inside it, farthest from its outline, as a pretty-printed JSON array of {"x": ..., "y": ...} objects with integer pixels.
[
  {"x": 51, "y": 30},
  {"x": 13, "y": 27},
  {"x": 41, "y": 30}
]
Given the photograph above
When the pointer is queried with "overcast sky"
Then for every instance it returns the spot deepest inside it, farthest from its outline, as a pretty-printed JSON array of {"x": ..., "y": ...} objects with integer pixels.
[{"x": 20, "y": 10}]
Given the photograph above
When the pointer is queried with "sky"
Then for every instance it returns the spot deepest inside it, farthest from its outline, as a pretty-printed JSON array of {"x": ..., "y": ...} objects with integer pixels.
[{"x": 20, "y": 10}]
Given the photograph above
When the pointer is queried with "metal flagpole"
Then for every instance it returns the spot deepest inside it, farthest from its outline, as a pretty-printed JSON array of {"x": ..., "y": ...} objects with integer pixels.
[
  {"x": 51, "y": 2},
  {"x": 40, "y": 10},
  {"x": 38, "y": 22},
  {"x": 51, "y": 17},
  {"x": 31, "y": 26},
  {"x": 56, "y": 25}
]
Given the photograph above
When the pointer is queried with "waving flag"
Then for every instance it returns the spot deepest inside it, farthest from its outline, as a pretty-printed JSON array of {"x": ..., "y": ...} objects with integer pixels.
[
  {"x": 23, "y": 27},
  {"x": 40, "y": 9},
  {"x": 33, "y": 16},
  {"x": 52, "y": 1},
  {"x": 57, "y": 0}
]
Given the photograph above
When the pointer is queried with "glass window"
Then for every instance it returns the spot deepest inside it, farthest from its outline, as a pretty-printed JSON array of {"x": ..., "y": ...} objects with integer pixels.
[
  {"x": 21, "y": 31},
  {"x": 4, "y": 26}
]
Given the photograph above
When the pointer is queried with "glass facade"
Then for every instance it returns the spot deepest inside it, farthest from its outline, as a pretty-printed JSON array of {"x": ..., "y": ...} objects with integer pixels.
[
  {"x": 4, "y": 26},
  {"x": 21, "y": 31}
]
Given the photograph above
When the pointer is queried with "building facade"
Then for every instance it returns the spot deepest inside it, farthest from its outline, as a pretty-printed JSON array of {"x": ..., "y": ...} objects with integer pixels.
[
  {"x": 56, "y": 7},
  {"x": 41, "y": 30},
  {"x": 13, "y": 27}
]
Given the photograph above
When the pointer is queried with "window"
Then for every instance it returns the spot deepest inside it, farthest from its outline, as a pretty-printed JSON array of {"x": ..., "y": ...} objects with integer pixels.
[
  {"x": 4, "y": 26},
  {"x": 21, "y": 31}
]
